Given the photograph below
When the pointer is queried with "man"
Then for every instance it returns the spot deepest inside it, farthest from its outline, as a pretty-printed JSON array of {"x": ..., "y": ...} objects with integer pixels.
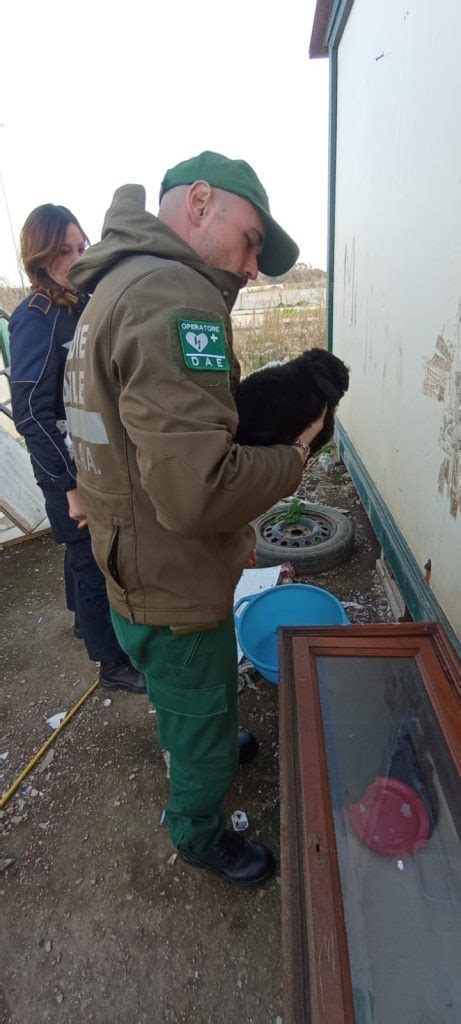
[{"x": 168, "y": 494}]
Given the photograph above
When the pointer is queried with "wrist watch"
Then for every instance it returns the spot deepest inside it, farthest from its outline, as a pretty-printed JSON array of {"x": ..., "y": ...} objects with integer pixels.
[{"x": 305, "y": 447}]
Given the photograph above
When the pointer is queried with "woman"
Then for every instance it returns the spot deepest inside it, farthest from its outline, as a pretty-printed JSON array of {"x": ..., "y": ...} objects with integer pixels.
[{"x": 41, "y": 329}]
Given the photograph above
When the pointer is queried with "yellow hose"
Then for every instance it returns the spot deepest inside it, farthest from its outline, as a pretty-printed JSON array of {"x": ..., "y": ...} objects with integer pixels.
[{"x": 17, "y": 782}]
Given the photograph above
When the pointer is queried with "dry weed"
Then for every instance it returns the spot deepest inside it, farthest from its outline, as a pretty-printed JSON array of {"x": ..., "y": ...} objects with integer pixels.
[
  {"x": 279, "y": 333},
  {"x": 10, "y": 297}
]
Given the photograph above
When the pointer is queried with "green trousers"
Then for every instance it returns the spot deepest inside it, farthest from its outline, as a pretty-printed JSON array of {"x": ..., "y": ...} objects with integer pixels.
[{"x": 192, "y": 681}]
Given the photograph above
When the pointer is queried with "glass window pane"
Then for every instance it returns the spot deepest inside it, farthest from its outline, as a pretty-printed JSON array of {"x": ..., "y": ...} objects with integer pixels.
[{"x": 395, "y": 796}]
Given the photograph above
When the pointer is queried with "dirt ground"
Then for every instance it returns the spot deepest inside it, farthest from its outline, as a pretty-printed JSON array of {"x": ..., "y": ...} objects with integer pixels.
[{"x": 98, "y": 920}]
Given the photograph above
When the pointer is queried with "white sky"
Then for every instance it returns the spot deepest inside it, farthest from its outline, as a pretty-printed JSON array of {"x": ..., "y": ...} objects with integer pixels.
[{"x": 94, "y": 95}]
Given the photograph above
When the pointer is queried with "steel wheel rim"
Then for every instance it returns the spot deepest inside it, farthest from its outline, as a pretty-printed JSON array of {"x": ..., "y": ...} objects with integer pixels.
[{"x": 309, "y": 531}]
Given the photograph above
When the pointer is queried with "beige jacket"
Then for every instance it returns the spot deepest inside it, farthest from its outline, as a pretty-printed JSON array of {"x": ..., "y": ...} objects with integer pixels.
[{"x": 152, "y": 418}]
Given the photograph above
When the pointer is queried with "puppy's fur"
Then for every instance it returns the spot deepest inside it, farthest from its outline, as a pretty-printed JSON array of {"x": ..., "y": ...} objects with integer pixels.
[{"x": 276, "y": 404}]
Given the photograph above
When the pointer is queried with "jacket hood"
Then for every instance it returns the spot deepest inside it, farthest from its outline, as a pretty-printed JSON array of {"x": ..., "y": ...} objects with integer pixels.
[{"x": 130, "y": 230}]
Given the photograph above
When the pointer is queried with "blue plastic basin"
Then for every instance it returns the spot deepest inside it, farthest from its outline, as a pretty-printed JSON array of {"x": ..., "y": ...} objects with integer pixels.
[{"x": 292, "y": 604}]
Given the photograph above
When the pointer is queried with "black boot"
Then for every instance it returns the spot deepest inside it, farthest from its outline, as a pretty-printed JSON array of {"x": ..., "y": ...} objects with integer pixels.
[
  {"x": 121, "y": 675},
  {"x": 235, "y": 859},
  {"x": 248, "y": 746}
]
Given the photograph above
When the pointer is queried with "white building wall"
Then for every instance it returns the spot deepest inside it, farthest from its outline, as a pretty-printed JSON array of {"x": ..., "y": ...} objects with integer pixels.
[{"x": 397, "y": 292}]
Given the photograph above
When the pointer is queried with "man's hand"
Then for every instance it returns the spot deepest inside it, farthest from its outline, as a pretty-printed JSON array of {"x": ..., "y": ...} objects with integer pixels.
[
  {"x": 77, "y": 509},
  {"x": 308, "y": 435},
  {"x": 252, "y": 561}
]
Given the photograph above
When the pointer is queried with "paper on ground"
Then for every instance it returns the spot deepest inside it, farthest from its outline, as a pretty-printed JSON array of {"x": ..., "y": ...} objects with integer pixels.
[
  {"x": 56, "y": 720},
  {"x": 252, "y": 582}
]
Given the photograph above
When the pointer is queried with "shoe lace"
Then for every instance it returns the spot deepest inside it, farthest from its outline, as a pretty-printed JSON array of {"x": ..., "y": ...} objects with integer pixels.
[
  {"x": 131, "y": 669},
  {"x": 124, "y": 663}
]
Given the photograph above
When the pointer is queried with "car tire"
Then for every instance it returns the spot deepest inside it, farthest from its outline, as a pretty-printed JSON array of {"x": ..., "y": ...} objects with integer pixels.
[{"x": 319, "y": 540}]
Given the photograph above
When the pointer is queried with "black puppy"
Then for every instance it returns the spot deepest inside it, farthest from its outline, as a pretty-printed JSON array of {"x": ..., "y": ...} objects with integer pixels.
[{"x": 276, "y": 404}]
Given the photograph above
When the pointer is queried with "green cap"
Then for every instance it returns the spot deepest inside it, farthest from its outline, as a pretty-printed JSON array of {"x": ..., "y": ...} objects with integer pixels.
[{"x": 280, "y": 252}]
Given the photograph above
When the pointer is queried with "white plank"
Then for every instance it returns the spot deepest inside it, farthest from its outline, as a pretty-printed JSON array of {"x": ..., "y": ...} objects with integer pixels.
[{"x": 20, "y": 497}]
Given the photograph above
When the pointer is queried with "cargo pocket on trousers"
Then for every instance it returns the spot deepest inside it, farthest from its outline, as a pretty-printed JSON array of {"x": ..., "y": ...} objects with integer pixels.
[
  {"x": 191, "y": 723},
  {"x": 204, "y": 702}
]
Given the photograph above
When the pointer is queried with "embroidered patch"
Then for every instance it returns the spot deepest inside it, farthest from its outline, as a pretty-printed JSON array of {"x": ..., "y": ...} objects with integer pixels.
[{"x": 203, "y": 345}]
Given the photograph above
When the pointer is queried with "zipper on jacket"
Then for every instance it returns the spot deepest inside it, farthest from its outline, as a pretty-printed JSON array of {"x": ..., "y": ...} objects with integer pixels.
[{"x": 125, "y": 602}]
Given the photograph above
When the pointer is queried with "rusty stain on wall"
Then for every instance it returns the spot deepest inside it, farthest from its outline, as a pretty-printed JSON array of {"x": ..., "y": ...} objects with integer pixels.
[
  {"x": 443, "y": 381},
  {"x": 438, "y": 370}
]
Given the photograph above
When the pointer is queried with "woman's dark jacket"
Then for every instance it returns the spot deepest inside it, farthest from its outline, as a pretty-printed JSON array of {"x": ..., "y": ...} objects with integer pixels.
[{"x": 41, "y": 333}]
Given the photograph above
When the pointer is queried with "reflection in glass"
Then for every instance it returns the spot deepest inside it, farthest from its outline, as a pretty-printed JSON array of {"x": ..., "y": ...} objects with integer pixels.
[{"x": 395, "y": 796}]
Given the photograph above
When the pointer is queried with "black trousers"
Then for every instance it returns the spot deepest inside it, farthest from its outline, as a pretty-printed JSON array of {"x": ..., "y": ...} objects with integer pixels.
[{"x": 86, "y": 593}]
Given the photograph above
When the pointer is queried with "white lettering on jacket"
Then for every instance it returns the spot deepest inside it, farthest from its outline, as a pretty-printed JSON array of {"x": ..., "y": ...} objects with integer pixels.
[
  {"x": 86, "y": 426},
  {"x": 78, "y": 343},
  {"x": 84, "y": 458}
]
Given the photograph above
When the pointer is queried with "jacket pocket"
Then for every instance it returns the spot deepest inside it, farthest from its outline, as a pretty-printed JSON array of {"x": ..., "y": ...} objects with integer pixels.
[
  {"x": 112, "y": 557},
  {"x": 121, "y": 558},
  {"x": 111, "y": 570},
  {"x": 104, "y": 542}
]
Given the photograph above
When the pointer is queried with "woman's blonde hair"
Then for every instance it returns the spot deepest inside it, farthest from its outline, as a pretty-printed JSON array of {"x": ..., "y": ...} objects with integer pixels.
[{"x": 41, "y": 239}]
